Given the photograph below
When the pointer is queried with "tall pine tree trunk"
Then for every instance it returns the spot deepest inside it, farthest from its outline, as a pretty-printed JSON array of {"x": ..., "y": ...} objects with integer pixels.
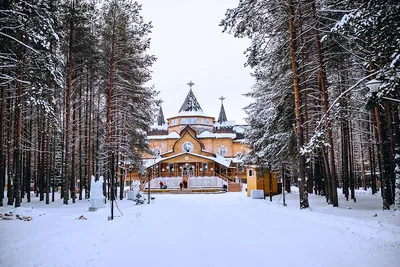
[
  {"x": 66, "y": 168},
  {"x": 322, "y": 78},
  {"x": 299, "y": 116},
  {"x": 345, "y": 157},
  {"x": 48, "y": 163},
  {"x": 73, "y": 154},
  {"x": 2, "y": 154},
  {"x": 18, "y": 127}
]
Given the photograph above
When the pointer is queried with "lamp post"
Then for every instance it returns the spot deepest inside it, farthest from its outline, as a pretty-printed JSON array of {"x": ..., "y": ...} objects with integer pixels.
[
  {"x": 283, "y": 184},
  {"x": 270, "y": 182},
  {"x": 130, "y": 170},
  {"x": 263, "y": 179}
]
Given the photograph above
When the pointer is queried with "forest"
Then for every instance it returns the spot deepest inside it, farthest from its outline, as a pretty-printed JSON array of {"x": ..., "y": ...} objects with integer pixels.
[
  {"x": 73, "y": 94},
  {"x": 326, "y": 93}
]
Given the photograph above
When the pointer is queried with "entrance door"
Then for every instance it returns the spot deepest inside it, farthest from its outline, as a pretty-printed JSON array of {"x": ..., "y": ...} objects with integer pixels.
[{"x": 187, "y": 172}]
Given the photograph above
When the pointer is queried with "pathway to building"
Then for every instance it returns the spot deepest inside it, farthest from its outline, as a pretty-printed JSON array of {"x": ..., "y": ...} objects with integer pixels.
[{"x": 201, "y": 230}]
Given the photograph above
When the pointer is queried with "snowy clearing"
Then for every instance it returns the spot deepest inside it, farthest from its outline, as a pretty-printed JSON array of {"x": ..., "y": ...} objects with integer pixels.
[{"x": 204, "y": 230}]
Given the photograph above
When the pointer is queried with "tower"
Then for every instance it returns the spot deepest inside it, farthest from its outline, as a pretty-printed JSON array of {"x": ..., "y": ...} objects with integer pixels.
[{"x": 222, "y": 115}]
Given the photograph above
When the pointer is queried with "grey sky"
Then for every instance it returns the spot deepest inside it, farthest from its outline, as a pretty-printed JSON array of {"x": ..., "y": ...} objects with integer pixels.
[{"x": 190, "y": 45}]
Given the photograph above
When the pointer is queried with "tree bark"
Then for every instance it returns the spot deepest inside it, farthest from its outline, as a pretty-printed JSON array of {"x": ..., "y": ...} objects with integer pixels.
[
  {"x": 322, "y": 77},
  {"x": 73, "y": 154},
  {"x": 18, "y": 148},
  {"x": 66, "y": 163},
  {"x": 2, "y": 154},
  {"x": 299, "y": 116}
]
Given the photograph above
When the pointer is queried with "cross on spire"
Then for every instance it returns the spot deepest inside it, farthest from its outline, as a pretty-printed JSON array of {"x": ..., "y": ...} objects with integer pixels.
[
  {"x": 222, "y": 98},
  {"x": 190, "y": 84}
]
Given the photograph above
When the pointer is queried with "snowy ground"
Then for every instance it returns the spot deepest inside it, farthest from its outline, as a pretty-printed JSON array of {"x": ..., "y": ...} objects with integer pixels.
[{"x": 204, "y": 230}]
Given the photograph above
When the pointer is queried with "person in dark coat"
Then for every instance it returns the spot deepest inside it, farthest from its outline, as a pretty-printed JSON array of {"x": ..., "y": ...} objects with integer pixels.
[{"x": 180, "y": 186}]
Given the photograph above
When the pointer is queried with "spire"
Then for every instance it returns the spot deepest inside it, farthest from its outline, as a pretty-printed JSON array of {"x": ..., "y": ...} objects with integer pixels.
[
  {"x": 160, "y": 118},
  {"x": 190, "y": 103},
  {"x": 222, "y": 115}
]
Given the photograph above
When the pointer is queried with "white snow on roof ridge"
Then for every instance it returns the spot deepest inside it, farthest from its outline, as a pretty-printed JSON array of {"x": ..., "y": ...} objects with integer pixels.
[
  {"x": 173, "y": 135},
  {"x": 206, "y": 134},
  {"x": 159, "y": 127},
  {"x": 191, "y": 113},
  {"x": 225, "y": 135},
  {"x": 224, "y": 124}
]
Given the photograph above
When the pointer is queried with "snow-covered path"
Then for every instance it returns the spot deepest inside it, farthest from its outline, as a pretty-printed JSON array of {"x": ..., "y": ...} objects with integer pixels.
[{"x": 196, "y": 230}]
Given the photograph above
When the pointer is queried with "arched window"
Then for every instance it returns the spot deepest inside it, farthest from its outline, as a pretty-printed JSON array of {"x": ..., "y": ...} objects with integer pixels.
[
  {"x": 187, "y": 147},
  {"x": 222, "y": 150}
]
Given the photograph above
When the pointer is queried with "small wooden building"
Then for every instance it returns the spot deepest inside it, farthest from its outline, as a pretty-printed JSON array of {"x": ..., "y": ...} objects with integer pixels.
[{"x": 259, "y": 179}]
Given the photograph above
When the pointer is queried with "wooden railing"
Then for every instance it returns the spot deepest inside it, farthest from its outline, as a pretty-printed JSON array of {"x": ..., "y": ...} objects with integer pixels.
[{"x": 223, "y": 177}]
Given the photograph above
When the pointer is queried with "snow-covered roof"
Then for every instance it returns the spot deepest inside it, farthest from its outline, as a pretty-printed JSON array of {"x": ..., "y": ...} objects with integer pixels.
[
  {"x": 156, "y": 137},
  {"x": 219, "y": 159},
  {"x": 236, "y": 160},
  {"x": 173, "y": 135},
  {"x": 208, "y": 134},
  {"x": 190, "y": 103},
  {"x": 225, "y": 135},
  {"x": 192, "y": 113},
  {"x": 159, "y": 127},
  {"x": 150, "y": 162},
  {"x": 239, "y": 129},
  {"x": 222, "y": 115},
  {"x": 224, "y": 124}
]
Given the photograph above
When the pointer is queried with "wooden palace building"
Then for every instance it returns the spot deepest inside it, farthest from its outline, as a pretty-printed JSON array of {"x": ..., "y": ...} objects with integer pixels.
[{"x": 196, "y": 149}]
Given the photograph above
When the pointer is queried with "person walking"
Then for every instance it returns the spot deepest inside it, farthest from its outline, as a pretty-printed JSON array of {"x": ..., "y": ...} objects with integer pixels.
[
  {"x": 180, "y": 186},
  {"x": 161, "y": 185}
]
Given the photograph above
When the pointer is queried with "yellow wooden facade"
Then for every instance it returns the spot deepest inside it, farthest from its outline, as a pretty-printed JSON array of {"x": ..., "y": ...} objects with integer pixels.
[
  {"x": 215, "y": 146},
  {"x": 257, "y": 180}
]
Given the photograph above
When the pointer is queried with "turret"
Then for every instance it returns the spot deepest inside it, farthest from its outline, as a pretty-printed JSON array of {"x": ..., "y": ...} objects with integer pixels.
[{"x": 222, "y": 115}]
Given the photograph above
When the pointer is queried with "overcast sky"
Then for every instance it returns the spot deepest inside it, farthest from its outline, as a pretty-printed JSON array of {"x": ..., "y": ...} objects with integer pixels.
[{"x": 189, "y": 45}]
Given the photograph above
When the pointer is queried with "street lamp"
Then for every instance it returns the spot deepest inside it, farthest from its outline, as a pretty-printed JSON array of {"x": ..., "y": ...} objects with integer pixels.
[
  {"x": 373, "y": 86},
  {"x": 130, "y": 170},
  {"x": 270, "y": 181}
]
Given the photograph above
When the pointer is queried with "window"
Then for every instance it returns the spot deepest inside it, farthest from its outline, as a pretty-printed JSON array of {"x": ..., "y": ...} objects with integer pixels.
[
  {"x": 170, "y": 167},
  {"x": 204, "y": 166},
  {"x": 207, "y": 121},
  {"x": 222, "y": 151},
  {"x": 239, "y": 167},
  {"x": 174, "y": 122},
  {"x": 251, "y": 173},
  {"x": 189, "y": 121},
  {"x": 187, "y": 147}
]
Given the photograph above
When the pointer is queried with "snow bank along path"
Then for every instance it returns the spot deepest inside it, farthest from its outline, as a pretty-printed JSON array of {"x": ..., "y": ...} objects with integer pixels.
[{"x": 200, "y": 230}]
